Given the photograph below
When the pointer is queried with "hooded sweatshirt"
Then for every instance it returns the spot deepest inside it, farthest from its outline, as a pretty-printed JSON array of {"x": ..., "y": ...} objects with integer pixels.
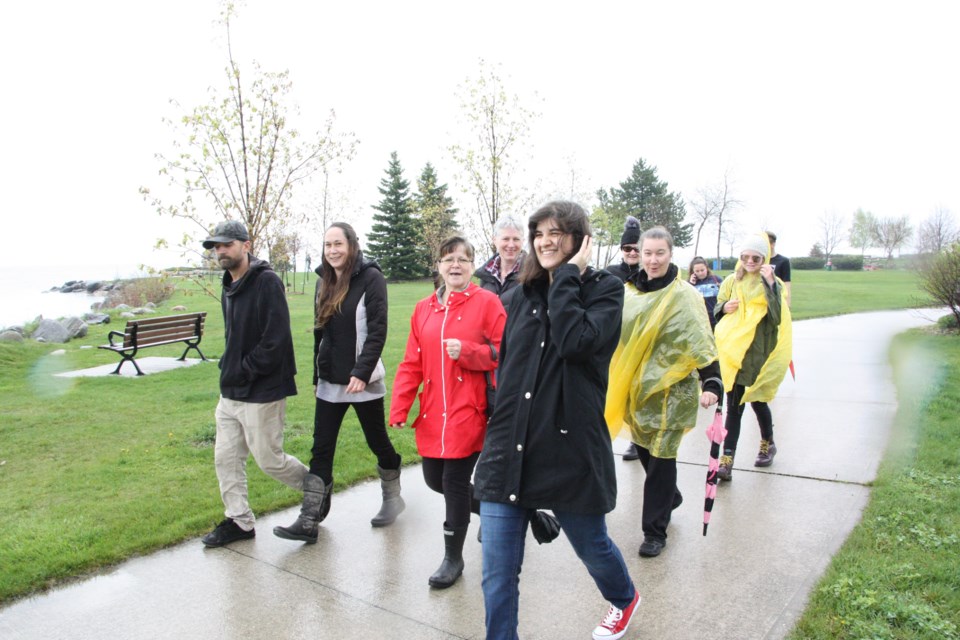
[{"x": 258, "y": 364}]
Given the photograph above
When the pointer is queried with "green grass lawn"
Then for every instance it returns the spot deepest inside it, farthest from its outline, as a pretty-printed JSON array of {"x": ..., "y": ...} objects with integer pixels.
[
  {"x": 898, "y": 574},
  {"x": 95, "y": 470}
]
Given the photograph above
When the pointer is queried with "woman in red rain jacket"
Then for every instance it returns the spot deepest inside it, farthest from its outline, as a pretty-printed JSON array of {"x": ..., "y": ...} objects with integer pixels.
[{"x": 454, "y": 340}]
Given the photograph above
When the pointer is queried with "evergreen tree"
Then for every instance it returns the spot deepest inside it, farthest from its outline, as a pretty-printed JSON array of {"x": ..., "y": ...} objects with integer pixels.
[
  {"x": 395, "y": 240},
  {"x": 435, "y": 212},
  {"x": 650, "y": 201}
]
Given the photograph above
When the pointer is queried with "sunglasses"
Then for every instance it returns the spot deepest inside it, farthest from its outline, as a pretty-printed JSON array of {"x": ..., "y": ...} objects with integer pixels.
[
  {"x": 630, "y": 249},
  {"x": 751, "y": 259}
]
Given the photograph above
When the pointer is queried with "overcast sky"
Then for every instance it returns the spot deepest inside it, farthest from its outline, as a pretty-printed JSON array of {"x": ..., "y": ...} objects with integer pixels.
[{"x": 813, "y": 108}]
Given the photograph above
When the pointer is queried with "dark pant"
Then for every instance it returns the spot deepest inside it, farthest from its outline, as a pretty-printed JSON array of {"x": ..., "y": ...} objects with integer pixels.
[
  {"x": 326, "y": 427},
  {"x": 735, "y": 414},
  {"x": 660, "y": 493},
  {"x": 451, "y": 477}
]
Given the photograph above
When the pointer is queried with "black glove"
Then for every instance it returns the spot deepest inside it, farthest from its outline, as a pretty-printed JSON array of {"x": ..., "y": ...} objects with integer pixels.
[{"x": 545, "y": 526}]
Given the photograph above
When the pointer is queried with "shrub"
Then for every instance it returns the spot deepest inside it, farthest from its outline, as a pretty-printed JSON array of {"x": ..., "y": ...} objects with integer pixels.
[
  {"x": 807, "y": 263},
  {"x": 848, "y": 263},
  {"x": 940, "y": 277},
  {"x": 140, "y": 291}
]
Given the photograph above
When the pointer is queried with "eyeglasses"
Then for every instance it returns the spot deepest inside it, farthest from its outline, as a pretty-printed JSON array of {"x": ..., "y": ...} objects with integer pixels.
[
  {"x": 751, "y": 259},
  {"x": 630, "y": 249},
  {"x": 448, "y": 261}
]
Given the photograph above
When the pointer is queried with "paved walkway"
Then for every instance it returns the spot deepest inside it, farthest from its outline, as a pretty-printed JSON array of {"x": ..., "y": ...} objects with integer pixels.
[{"x": 773, "y": 533}]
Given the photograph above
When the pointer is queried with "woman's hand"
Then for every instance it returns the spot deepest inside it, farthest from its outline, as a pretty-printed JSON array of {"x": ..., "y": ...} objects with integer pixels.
[
  {"x": 693, "y": 279},
  {"x": 730, "y": 306},
  {"x": 356, "y": 385},
  {"x": 583, "y": 256},
  {"x": 453, "y": 347},
  {"x": 708, "y": 398},
  {"x": 397, "y": 425},
  {"x": 767, "y": 272}
]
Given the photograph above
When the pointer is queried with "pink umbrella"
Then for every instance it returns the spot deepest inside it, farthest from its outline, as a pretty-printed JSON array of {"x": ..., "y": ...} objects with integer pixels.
[{"x": 715, "y": 433}]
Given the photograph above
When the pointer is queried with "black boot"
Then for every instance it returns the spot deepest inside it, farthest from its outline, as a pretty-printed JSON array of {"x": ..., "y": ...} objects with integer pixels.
[
  {"x": 452, "y": 565},
  {"x": 316, "y": 506}
]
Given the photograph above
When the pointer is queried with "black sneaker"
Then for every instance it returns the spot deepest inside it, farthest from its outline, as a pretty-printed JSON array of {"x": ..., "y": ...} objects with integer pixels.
[
  {"x": 652, "y": 547},
  {"x": 226, "y": 532},
  {"x": 631, "y": 453}
]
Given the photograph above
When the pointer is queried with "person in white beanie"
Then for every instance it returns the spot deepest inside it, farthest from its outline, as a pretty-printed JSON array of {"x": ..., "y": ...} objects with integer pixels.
[{"x": 754, "y": 342}]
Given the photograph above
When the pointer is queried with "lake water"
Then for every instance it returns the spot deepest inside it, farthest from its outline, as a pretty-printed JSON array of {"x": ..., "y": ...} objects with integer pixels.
[{"x": 25, "y": 291}]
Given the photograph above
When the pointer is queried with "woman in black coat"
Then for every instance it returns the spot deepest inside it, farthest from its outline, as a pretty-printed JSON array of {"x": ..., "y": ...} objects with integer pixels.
[{"x": 547, "y": 445}]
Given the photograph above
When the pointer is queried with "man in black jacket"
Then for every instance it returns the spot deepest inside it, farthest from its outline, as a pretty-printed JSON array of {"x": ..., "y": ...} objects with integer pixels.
[{"x": 257, "y": 372}]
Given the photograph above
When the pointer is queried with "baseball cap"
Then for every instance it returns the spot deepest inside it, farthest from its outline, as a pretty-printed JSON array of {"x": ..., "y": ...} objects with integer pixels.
[{"x": 227, "y": 231}]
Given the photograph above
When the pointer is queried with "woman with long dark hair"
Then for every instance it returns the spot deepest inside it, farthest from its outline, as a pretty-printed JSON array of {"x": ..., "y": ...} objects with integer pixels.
[
  {"x": 547, "y": 445},
  {"x": 350, "y": 330}
]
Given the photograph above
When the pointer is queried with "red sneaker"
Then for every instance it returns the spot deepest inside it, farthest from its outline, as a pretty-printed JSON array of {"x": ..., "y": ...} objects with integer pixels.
[{"x": 615, "y": 623}]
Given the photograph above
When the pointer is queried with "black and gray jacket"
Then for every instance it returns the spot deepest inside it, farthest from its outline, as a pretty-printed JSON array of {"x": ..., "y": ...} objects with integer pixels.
[{"x": 337, "y": 354}]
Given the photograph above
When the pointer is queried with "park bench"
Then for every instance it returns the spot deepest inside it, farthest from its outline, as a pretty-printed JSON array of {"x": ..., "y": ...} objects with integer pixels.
[{"x": 153, "y": 332}]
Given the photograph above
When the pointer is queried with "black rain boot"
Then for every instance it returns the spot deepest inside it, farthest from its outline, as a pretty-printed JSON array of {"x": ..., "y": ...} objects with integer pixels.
[
  {"x": 392, "y": 504},
  {"x": 316, "y": 506},
  {"x": 452, "y": 565}
]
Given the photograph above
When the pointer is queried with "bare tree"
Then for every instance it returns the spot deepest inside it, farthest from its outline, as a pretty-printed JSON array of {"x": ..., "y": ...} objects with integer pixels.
[
  {"x": 831, "y": 232},
  {"x": 937, "y": 232},
  {"x": 499, "y": 125},
  {"x": 713, "y": 202},
  {"x": 892, "y": 233},
  {"x": 241, "y": 154}
]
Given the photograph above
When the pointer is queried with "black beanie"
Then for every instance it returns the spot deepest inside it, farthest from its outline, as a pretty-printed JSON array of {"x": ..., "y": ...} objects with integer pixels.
[{"x": 631, "y": 231}]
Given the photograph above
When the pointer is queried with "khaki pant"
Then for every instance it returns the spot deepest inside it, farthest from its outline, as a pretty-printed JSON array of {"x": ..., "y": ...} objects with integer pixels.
[{"x": 244, "y": 428}]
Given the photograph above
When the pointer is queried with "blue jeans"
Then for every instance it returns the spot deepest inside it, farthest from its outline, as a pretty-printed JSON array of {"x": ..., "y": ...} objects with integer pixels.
[{"x": 504, "y": 533}]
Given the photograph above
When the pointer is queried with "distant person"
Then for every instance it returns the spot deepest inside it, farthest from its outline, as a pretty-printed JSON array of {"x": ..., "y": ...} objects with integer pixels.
[
  {"x": 257, "y": 372},
  {"x": 707, "y": 284},
  {"x": 629, "y": 266},
  {"x": 780, "y": 264},
  {"x": 547, "y": 445},
  {"x": 629, "y": 252},
  {"x": 499, "y": 273},
  {"x": 666, "y": 344},
  {"x": 754, "y": 341},
  {"x": 349, "y": 332},
  {"x": 454, "y": 341}
]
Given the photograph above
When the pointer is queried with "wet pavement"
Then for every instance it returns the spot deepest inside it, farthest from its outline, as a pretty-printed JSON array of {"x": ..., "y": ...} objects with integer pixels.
[{"x": 772, "y": 535}]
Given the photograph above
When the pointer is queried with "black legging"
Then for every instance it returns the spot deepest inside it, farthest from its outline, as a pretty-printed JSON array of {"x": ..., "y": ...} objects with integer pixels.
[
  {"x": 326, "y": 427},
  {"x": 451, "y": 477},
  {"x": 735, "y": 414}
]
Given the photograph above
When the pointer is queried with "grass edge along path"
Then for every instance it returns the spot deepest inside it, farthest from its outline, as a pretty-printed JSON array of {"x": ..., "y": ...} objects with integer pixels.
[{"x": 897, "y": 575}]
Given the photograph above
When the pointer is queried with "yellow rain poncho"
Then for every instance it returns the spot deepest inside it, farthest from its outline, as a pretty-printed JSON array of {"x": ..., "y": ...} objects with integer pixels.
[
  {"x": 654, "y": 388},
  {"x": 735, "y": 333}
]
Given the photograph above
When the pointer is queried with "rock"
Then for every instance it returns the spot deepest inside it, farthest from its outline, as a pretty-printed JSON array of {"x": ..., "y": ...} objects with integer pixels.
[
  {"x": 96, "y": 318},
  {"x": 122, "y": 307},
  {"x": 76, "y": 328},
  {"x": 10, "y": 336},
  {"x": 59, "y": 352},
  {"x": 179, "y": 307},
  {"x": 139, "y": 311},
  {"x": 150, "y": 305},
  {"x": 50, "y": 331},
  {"x": 93, "y": 286},
  {"x": 127, "y": 315}
]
